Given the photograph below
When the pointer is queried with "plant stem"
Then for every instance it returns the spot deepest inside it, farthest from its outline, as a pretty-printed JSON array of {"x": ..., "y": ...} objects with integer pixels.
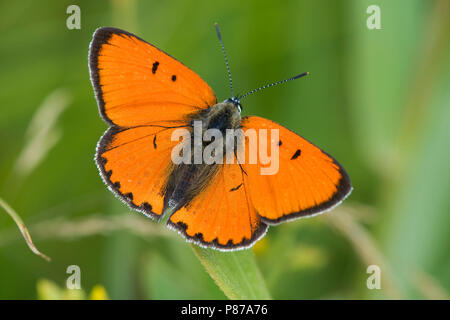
[{"x": 22, "y": 229}]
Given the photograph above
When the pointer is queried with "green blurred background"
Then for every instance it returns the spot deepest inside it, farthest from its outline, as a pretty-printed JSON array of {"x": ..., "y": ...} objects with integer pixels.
[{"x": 377, "y": 100}]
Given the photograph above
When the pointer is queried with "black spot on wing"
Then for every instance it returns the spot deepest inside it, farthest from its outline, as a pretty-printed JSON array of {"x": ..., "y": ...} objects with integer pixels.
[
  {"x": 174, "y": 78},
  {"x": 154, "y": 142},
  {"x": 155, "y": 67},
  {"x": 235, "y": 188},
  {"x": 296, "y": 154},
  {"x": 280, "y": 143}
]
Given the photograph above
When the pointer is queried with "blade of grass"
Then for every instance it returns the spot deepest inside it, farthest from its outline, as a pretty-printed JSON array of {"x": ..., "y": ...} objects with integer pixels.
[
  {"x": 42, "y": 133},
  {"x": 236, "y": 273},
  {"x": 97, "y": 224},
  {"x": 22, "y": 229},
  {"x": 429, "y": 287},
  {"x": 414, "y": 229}
]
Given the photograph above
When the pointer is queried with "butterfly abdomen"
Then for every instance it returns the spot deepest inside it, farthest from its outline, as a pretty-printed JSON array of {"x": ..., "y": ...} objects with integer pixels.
[{"x": 186, "y": 181}]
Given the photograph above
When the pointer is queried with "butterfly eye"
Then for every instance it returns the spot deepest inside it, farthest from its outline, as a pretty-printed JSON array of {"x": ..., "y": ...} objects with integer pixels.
[{"x": 235, "y": 101}]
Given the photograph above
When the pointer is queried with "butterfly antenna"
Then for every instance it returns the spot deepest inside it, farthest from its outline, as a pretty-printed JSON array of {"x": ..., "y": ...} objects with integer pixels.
[
  {"x": 272, "y": 84},
  {"x": 226, "y": 59}
]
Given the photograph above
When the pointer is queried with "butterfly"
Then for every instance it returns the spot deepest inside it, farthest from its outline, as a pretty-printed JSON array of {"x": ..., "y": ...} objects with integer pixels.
[{"x": 144, "y": 95}]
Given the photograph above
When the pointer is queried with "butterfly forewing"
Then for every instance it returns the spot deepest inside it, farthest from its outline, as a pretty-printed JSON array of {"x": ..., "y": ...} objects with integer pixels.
[
  {"x": 136, "y": 83},
  {"x": 308, "y": 180}
]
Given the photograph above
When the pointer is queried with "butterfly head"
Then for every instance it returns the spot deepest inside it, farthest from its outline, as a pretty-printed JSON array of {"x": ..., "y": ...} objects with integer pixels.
[{"x": 236, "y": 102}]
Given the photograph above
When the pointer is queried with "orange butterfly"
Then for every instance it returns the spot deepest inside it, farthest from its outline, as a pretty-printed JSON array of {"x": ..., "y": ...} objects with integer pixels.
[{"x": 145, "y": 95}]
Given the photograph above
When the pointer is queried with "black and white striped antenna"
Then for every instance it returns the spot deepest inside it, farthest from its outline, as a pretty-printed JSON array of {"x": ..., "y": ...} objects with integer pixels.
[
  {"x": 226, "y": 59},
  {"x": 271, "y": 85},
  {"x": 240, "y": 97}
]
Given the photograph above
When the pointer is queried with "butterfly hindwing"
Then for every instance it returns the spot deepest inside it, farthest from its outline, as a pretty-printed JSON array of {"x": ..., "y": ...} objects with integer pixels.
[
  {"x": 222, "y": 216},
  {"x": 308, "y": 180},
  {"x": 134, "y": 163}
]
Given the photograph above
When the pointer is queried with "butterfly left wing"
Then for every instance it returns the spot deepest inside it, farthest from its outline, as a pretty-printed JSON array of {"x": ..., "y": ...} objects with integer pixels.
[
  {"x": 136, "y": 83},
  {"x": 222, "y": 215},
  {"x": 143, "y": 94},
  {"x": 308, "y": 180}
]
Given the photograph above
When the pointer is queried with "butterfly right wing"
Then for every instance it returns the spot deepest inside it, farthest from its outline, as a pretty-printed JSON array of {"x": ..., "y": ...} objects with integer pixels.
[{"x": 308, "y": 180}]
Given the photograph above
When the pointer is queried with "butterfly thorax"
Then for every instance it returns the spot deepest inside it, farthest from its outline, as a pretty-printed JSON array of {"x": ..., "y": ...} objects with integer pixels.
[
  {"x": 222, "y": 116},
  {"x": 185, "y": 181}
]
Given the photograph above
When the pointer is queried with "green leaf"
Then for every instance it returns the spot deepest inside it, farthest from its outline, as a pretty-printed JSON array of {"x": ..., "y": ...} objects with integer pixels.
[{"x": 236, "y": 273}]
